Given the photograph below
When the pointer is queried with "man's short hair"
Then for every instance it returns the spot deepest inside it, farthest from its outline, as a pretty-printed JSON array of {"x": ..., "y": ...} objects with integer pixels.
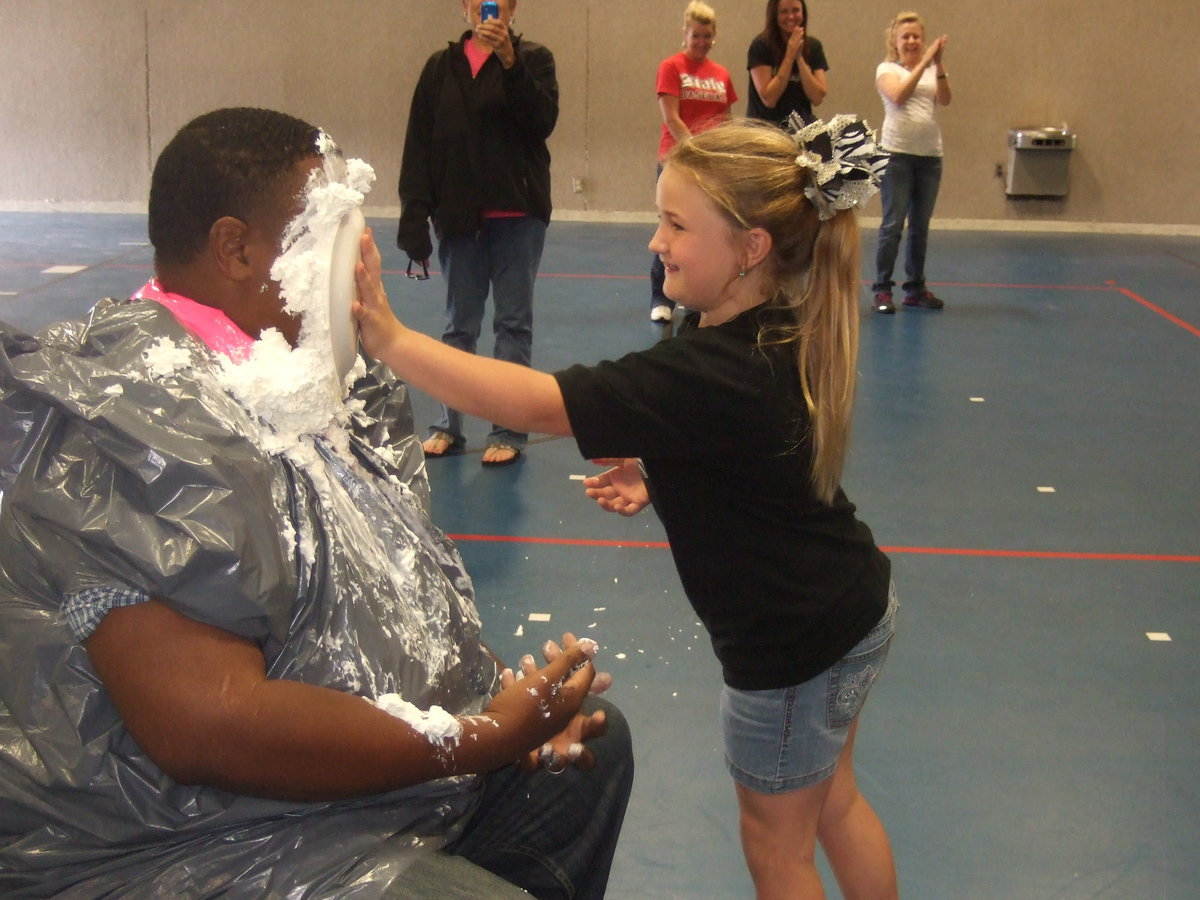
[{"x": 229, "y": 162}]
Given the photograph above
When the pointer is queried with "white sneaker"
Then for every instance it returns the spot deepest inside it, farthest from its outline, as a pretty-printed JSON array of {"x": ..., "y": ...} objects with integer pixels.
[{"x": 661, "y": 313}]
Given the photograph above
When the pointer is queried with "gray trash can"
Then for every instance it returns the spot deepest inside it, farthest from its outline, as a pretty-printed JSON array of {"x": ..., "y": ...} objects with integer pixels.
[{"x": 1038, "y": 160}]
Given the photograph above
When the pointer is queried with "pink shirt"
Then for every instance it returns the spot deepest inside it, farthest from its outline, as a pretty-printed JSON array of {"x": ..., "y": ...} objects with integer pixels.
[
  {"x": 205, "y": 323},
  {"x": 475, "y": 56}
]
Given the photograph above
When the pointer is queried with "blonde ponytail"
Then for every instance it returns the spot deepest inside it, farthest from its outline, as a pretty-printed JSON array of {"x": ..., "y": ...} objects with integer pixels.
[
  {"x": 749, "y": 171},
  {"x": 827, "y": 347}
]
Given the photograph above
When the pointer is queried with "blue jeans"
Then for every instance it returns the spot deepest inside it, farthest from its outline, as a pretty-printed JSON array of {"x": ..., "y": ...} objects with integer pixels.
[
  {"x": 555, "y": 835},
  {"x": 658, "y": 274},
  {"x": 503, "y": 257},
  {"x": 909, "y": 190}
]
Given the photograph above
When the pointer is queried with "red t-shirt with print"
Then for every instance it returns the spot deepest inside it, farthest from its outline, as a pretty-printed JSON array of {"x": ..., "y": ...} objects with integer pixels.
[{"x": 705, "y": 93}]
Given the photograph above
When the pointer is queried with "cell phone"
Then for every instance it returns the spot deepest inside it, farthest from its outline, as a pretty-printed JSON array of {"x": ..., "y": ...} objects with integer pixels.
[{"x": 489, "y": 9}]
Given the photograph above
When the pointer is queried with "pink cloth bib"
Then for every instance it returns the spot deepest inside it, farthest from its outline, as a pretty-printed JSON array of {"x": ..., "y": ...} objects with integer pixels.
[{"x": 205, "y": 323}]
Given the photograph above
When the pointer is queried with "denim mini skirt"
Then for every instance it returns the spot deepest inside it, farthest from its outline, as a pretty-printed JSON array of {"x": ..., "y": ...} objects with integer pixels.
[{"x": 789, "y": 738}]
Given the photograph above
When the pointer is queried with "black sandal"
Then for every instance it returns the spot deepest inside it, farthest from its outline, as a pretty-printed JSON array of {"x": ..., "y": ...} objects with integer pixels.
[
  {"x": 497, "y": 463},
  {"x": 453, "y": 447}
]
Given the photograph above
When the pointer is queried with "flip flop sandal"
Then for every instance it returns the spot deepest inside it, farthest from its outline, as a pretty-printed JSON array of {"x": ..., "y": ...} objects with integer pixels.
[
  {"x": 453, "y": 447},
  {"x": 497, "y": 463}
]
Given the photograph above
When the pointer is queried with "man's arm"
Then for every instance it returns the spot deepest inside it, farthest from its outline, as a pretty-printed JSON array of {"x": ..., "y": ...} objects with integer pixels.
[{"x": 198, "y": 701}]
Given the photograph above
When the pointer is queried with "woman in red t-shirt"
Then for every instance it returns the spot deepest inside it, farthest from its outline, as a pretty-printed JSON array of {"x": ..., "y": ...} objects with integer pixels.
[{"x": 694, "y": 93}]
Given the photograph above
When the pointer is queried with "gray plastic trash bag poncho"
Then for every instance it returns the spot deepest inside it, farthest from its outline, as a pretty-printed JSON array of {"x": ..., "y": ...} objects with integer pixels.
[{"x": 116, "y": 470}]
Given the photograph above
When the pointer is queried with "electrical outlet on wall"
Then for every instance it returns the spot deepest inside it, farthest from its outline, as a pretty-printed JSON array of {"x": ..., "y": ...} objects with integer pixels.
[
  {"x": 577, "y": 185},
  {"x": 1000, "y": 171}
]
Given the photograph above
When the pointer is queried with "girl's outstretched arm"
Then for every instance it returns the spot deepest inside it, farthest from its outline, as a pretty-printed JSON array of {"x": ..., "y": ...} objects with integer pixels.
[{"x": 514, "y": 396}]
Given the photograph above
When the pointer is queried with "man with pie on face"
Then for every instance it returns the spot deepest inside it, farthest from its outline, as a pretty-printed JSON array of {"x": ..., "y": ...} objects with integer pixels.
[{"x": 239, "y": 660}]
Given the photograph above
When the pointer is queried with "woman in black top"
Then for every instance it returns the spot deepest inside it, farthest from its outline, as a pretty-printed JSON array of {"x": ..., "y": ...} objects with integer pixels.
[{"x": 787, "y": 66}]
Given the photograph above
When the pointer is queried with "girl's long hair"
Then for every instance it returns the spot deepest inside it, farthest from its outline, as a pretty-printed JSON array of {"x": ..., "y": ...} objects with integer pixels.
[{"x": 748, "y": 169}]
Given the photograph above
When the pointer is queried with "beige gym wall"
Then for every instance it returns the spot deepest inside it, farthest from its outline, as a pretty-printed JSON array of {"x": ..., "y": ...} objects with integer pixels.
[{"x": 92, "y": 89}]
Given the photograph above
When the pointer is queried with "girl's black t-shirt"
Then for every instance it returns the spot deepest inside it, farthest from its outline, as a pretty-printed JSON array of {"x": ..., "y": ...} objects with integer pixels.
[{"x": 785, "y": 584}]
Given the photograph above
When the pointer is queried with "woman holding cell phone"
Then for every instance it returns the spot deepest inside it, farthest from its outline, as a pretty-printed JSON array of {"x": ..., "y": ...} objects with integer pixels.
[{"x": 476, "y": 165}]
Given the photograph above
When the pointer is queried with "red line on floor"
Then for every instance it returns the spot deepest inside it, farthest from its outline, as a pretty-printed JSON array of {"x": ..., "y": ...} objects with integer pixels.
[
  {"x": 591, "y": 275},
  {"x": 958, "y": 284},
  {"x": 597, "y": 275},
  {"x": 1046, "y": 554},
  {"x": 1162, "y": 312},
  {"x": 1029, "y": 287},
  {"x": 924, "y": 551},
  {"x": 570, "y": 542},
  {"x": 41, "y": 265},
  {"x": 961, "y": 284},
  {"x": 432, "y": 272},
  {"x": 966, "y": 284}
]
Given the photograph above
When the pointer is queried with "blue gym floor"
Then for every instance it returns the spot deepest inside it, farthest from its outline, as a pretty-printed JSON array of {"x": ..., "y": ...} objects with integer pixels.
[{"x": 1027, "y": 456}]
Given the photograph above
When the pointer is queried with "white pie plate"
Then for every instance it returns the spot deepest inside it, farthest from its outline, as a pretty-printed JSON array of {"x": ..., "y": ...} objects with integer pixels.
[{"x": 343, "y": 329}]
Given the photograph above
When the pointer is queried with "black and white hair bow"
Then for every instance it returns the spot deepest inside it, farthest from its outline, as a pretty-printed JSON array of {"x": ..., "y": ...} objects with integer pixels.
[{"x": 845, "y": 161}]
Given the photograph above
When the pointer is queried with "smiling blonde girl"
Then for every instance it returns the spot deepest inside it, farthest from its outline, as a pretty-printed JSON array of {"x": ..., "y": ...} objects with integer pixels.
[{"x": 736, "y": 431}]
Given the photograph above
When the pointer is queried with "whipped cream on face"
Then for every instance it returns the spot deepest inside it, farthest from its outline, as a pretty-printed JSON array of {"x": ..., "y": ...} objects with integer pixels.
[
  {"x": 297, "y": 390},
  {"x": 294, "y": 393}
]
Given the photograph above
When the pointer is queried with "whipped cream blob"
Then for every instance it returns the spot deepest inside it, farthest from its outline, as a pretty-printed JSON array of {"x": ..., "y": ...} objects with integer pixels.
[{"x": 299, "y": 390}]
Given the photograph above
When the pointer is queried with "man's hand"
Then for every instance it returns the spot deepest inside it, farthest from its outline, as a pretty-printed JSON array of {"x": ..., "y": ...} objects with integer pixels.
[
  {"x": 541, "y": 709},
  {"x": 551, "y": 651}
]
